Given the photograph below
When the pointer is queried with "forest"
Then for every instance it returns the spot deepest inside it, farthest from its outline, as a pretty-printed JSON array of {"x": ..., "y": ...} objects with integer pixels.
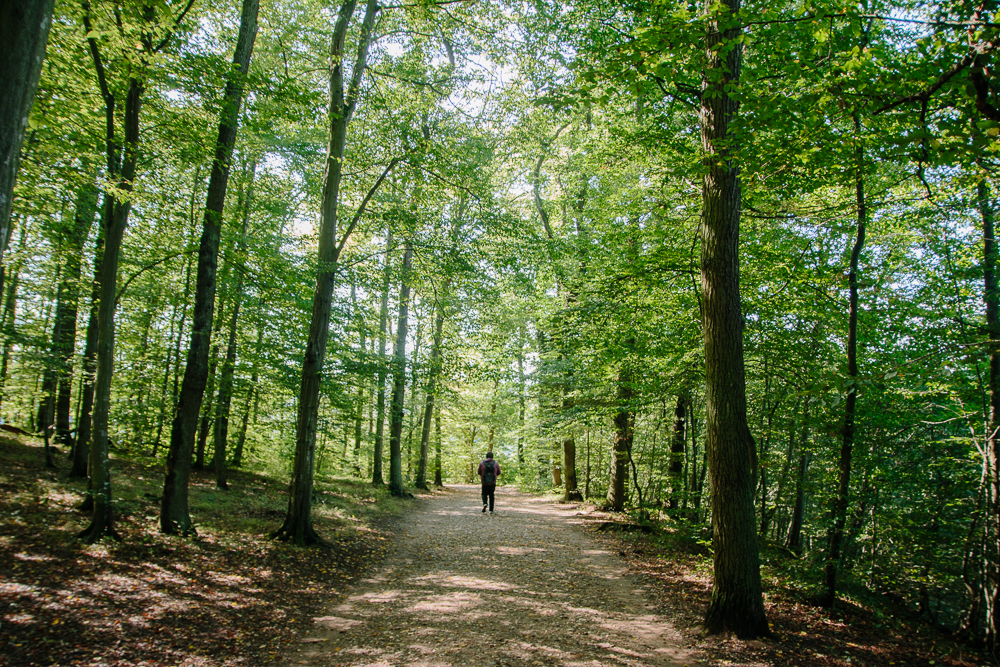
[{"x": 729, "y": 266}]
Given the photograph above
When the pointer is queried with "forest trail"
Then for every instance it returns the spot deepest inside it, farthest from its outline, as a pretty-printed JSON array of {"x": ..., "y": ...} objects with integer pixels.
[{"x": 525, "y": 586}]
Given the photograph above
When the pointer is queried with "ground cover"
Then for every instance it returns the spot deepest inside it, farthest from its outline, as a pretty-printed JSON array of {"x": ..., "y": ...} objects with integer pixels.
[
  {"x": 855, "y": 633},
  {"x": 227, "y": 597}
]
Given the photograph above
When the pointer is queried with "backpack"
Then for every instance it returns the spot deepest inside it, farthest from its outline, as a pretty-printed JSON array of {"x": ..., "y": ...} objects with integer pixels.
[{"x": 489, "y": 472}]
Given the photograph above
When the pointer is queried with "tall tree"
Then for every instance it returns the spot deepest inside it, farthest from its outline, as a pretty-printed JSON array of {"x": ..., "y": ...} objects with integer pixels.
[
  {"x": 24, "y": 32},
  {"x": 399, "y": 380},
  {"x": 850, "y": 405},
  {"x": 737, "y": 603},
  {"x": 383, "y": 317},
  {"x": 174, "y": 514},
  {"x": 433, "y": 374},
  {"x": 123, "y": 159},
  {"x": 297, "y": 526},
  {"x": 221, "y": 430}
]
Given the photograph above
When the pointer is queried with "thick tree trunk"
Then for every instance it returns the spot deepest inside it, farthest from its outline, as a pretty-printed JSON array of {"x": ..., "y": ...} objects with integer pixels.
[
  {"x": 297, "y": 526},
  {"x": 399, "y": 381},
  {"x": 572, "y": 490},
  {"x": 991, "y": 556},
  {"x": 836, "y": 535},
  {"x": 377, "y": 455},
  {"x": 432, "y": 382},
  {"x": 737, "y": 603},
  {"x": 174, "y": 515},
  {"x": 24, "y": 32},
  {"x": 623, "y": 442}
]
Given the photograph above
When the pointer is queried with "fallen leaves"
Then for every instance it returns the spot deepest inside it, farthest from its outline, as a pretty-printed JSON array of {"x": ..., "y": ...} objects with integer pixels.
[{"x": 228, "y": 597}]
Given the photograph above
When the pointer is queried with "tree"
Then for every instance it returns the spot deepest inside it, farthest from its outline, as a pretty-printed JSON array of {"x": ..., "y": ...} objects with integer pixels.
[
  {"x": 399, "y": 380},
  {"x": 297, "y": 526},
  {"x": 174, "y": 515},
  {"x": 737, "y": 603},
  {"x": 24, "y": 29}
]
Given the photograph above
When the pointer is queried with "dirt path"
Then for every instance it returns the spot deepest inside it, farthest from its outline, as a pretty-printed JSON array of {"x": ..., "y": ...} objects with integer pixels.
[{"x": 525, "y": 586}]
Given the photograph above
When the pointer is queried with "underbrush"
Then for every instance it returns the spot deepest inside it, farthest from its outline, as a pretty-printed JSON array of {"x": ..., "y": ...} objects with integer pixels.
[
  {"x": 864, "y": 628},
  {"x": 227, "y": 596}
]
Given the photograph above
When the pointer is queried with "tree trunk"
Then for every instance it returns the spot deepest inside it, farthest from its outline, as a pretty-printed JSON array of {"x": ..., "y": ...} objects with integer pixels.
[
  {"x": 174, "y": 515},
  {"x": 81, "y": 447},
  {"x": 520, "y": 398},
  {"x": 836, "y": 536},
  {"x": 9, "y": 329},
  {"x": 438, "y": 480},
  {"x": 737, "y": 603},
  {"x": 24, "y": 32},
  {"x": 413, "y": 389},
  {"x": 572, "y": 490},
  {"x": 120, "y": 206},
  {"x": 383, "y": 317},
  {"x": 297, "y": 526},
  {"x": 399, "y": 381},
  {"x": 432, "y": 381},
  {"x": 991, "y": 295},
  {"x": 677, "y": 446},
  {"x": 252, "y": 395},
  {"x": 359, "y": 394},
  {"x": 623, "y": 441},
  {"x": 221, "y": 430},
  {"x": 175, "y": 394}
]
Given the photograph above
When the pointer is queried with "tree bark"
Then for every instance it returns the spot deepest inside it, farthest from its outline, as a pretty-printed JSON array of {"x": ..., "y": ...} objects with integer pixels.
[
  {"x": 836, "y": 536},
  {"x": 991, "y": 296},
  {"x": 297, "y": 526},
  {"x": 9, "y": 329},
  {"x": 737, "y": 603},
  {"x": 623, "y": 441},
  {"x": 119, "y": 206},
  {"x": 399, "y": 381},
  {"x": 438, "y": 480},
  {"x": 432, "y": 381},
  {"x": 383, "y": 317},
  {"x": 174, "y": 515},
  {"x": 222, "y": 406},
  {"x": 24, "y": 32},
  {"x": 678, "y": 443}
]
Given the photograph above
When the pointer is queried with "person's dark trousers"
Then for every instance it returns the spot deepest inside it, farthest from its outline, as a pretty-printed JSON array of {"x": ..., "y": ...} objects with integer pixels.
[{"x": 488, "y": 491}]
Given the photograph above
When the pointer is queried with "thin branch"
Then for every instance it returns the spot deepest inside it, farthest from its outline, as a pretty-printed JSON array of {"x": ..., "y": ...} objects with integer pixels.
[
  {"x": 364, "y": 204},
  {"x": 121, "y": 292},
  {"x": 176, "y": 22}
]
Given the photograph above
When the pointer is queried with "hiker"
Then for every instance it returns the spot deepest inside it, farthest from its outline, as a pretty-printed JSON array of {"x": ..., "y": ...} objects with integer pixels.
[{"x": 489, "y": 470}]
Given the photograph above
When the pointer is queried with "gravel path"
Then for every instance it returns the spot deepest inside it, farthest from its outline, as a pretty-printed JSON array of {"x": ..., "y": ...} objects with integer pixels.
[{"x": 525, "y": 586}]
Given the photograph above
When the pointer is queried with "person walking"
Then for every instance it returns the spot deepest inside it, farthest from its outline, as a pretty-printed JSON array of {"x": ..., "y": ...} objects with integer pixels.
[{"x": 489, "y": 470}]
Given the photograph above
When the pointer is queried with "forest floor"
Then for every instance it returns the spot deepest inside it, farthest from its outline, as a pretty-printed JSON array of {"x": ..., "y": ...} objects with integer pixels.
[
  {"x": 431, "y": 581},
  {"x": 521, "y": 587},
  {"x": 229, "y": 596}
]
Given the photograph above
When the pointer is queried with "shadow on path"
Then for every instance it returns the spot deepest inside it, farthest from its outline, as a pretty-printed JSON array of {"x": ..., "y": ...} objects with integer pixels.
[{"x": 521, "y": 587}]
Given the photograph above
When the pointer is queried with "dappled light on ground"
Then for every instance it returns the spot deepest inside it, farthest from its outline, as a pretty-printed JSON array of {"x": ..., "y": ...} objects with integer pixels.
[{"x": 522, "y": 587}]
